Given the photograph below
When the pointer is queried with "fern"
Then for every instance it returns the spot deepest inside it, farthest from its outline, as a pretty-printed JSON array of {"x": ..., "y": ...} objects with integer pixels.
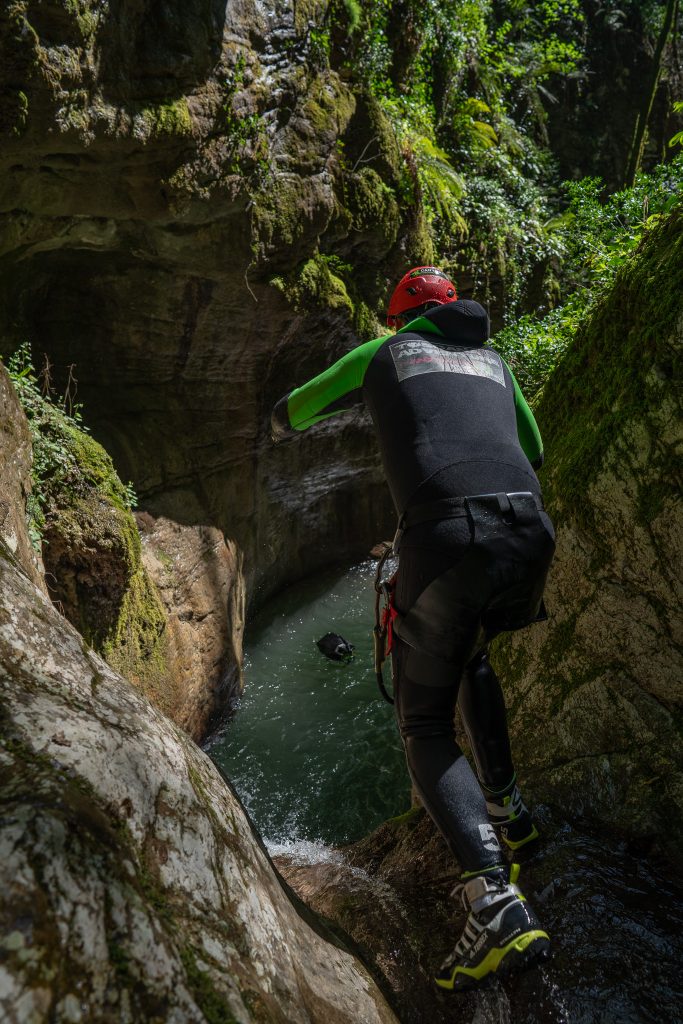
[{"x": 442, "y": 186}]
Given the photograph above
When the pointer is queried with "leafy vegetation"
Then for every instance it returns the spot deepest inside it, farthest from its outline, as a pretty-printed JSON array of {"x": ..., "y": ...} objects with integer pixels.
[
  {"x": 461, "y": 81},
  {"x": 466, "y": 85},
  {"x": 596, "y": 238},
  {"x": 59, "y": 436}
]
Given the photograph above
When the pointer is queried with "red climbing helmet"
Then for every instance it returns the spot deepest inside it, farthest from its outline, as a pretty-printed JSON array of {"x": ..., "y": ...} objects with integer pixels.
[{"x": 420, "y": 285}]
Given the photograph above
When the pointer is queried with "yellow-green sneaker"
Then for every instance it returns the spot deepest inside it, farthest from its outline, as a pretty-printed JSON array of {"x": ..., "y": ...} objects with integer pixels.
[{"x": 502, "y": 933}]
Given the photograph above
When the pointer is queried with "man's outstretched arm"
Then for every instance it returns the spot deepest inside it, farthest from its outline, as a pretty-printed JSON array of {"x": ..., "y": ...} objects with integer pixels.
[{"x": 337, "y": 388}]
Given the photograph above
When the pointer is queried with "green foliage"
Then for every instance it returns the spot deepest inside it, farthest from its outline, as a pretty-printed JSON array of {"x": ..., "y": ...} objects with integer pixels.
[
  {"x": 442, "y": 188},
  {"x": 60, "y": 439},
  {"x": 463, "y": 84},
  {"x": 597, "y": 239},
  {"x": 244, "y": 132},
  {"x": 622, "y": 363},
  {"x": 677, "y": 139},
  {"x": 599, "y": 235},
  {"x": 532, "y": 346}
]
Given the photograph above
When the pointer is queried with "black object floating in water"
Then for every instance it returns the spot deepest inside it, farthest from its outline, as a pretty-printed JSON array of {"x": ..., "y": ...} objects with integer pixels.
[{"x": 335, "y": 647}]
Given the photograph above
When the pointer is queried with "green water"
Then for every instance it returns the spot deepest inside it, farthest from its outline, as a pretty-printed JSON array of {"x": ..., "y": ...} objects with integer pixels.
[{"x": 313, "y": 750}]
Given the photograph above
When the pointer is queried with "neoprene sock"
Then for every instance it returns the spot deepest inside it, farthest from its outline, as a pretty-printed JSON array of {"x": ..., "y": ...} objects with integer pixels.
[{"x": 509, "y": 815}]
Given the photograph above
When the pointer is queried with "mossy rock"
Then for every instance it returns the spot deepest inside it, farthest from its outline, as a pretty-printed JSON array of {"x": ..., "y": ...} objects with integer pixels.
[
  {"x": 370, "y": 141},
  {"x": 171, "y": 118},
  {"x": 92, "y": 554},
  {"x": 595, "y": 694},
  {"x": 621, "y": 362},
  {"x": 315, "y": 283},
  {"x": 374, "y": 209}
]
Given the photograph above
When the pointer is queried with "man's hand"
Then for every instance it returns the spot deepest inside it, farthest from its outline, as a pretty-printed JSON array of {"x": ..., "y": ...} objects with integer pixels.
[{"x": 280, "y": 426}]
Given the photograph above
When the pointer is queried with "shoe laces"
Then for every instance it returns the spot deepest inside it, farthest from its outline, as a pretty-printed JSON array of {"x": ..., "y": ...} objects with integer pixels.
[{"x": 483, "y": 890}]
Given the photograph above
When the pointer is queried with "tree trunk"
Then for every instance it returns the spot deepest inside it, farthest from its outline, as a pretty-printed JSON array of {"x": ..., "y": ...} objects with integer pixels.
[{"x": 638, "y": 144}]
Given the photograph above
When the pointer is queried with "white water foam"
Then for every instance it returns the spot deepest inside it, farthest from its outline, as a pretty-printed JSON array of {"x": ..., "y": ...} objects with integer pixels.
[{"x": 304, "y": 851}]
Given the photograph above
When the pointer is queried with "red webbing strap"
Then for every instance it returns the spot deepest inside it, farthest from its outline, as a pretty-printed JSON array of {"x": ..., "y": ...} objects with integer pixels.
[{"x": 389, "y": 615}]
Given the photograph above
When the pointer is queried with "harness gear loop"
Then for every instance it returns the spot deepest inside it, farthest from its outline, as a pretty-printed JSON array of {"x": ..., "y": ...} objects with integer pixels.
[{"x": 382, "y": 632}]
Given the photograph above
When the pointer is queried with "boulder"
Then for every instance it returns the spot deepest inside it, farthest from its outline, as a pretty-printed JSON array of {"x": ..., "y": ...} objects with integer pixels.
[
  {"x": 132, "y": 884},
  {"x": 199, "y": 579},
  {"x": 595, "y": 695}
]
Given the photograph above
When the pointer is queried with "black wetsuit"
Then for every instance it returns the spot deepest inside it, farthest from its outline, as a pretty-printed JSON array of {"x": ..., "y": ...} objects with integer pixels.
[{"x": 451, "y": 423}]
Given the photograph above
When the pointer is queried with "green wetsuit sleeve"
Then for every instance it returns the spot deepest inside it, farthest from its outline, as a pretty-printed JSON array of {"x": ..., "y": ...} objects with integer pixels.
[
  {"x": 334, "y": 389},
  {"x": 527, "y": 429}
]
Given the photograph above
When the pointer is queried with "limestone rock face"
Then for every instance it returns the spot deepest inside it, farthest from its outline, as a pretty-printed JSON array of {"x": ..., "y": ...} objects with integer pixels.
[
  {"x": 16, "y": 457},
  {"x": 171, "y": 189},
  {"x": 132, "y": 886},
  {"x": 596, "y": 693},
  {"x": 198, "y": 576}
]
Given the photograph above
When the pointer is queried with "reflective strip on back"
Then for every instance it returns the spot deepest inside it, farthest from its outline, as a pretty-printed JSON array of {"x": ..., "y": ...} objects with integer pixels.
[{"x": 412, "y": 358}]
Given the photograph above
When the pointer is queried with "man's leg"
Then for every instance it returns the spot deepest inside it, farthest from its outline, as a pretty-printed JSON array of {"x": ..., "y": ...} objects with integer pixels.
[
  {"x": 440, "y": 772},
  {"x": 502, "y": 932},
  {"x": 482, "y": 709}
]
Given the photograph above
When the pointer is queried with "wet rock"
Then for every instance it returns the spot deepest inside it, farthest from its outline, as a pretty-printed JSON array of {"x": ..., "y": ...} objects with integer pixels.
[
  {"x": 132, "y": 885},
  {"x": 603, "y": 907}
]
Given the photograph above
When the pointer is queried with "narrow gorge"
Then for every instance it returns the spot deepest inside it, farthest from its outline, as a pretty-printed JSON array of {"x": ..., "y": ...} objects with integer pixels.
[{"x": 202, "y": 206}]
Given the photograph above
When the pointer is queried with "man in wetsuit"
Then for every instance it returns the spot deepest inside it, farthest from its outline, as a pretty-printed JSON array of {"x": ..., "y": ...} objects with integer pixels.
[{"x": 459, "y": 445}]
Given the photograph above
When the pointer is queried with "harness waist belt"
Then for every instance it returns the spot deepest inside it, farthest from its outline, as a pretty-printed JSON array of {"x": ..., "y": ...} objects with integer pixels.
[{"x": 453, "y": 508}]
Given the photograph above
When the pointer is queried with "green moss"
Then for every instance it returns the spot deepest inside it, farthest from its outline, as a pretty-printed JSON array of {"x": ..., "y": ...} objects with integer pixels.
[
  {"x": 409, "y": 817},
  {"x": 137, "y": 645},
  {"x": 92, "y": 550},
  {"x": 623, "y": 361},
  {"x": 85, "y": 17},
  {"x": 373, "y": 205},
  {"x": 316, "y": 284},
  {"x": 171, "y": 118},
  {"x": 213, "y": 1005},
  {"x": 307, "y": 12},
  {"x": 383, "y": 130},
  {"x": 366, "y": 323},
  {"x": 22, "y": 113},
  {"x": 96, "y": 468},
  {"x": 328, "y": 106},
  {"x": 277, "y": 215}
]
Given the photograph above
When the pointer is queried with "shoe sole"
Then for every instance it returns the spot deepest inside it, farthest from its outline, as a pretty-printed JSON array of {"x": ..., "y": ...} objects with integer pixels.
[
  {"x": 536, "y": 953},
  {"x": 527, "y": 951}
]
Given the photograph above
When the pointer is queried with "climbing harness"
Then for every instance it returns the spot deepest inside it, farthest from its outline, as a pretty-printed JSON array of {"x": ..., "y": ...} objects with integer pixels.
[{"x": 383, "y": 631}]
